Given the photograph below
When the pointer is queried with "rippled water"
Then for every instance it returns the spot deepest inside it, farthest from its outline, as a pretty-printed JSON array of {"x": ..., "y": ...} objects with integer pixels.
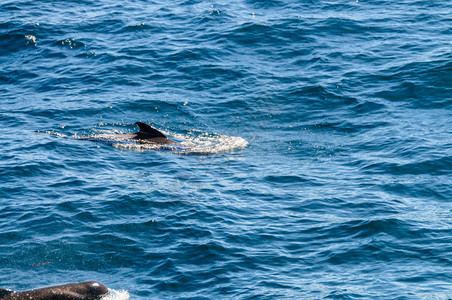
[{"x": 319, "y": 140}]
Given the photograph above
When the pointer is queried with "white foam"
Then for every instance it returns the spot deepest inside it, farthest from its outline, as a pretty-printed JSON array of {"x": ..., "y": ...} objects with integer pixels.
[
  {"x": 204, "y": 143},
  {"x": 116, "y": 295},
  {"x": 31, "y": 39},
  {"x": 194, "y": 142}
]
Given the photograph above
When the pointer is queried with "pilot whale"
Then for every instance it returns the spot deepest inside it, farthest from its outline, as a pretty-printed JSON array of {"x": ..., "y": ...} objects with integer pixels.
[
  {"x": 146, "y": 135},
  {"x": 88, "y": 290}
]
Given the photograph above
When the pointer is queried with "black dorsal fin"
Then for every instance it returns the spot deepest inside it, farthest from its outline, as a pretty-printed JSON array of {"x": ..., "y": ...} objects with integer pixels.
[
  {"x": 149, "y": 131},
  {"x": 5, "y": 292}
]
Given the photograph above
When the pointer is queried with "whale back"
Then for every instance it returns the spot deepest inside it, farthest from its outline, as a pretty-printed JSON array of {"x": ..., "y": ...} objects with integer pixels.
[
  {"x": 88, "y": 290},
  {"x": 5, "y": 292}
]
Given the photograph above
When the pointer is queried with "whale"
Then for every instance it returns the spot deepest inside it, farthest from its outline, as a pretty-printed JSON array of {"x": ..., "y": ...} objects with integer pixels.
[
  {"x": 88, "y": 290},
  {"x": 146, "y": 135}
]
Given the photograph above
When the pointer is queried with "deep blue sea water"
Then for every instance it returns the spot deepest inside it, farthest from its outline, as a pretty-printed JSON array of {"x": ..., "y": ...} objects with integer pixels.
[{"x": 316, "y": 159}]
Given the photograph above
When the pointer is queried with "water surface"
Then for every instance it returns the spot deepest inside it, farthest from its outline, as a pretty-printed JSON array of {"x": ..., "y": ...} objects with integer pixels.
[{"x": 321, "y": 148}]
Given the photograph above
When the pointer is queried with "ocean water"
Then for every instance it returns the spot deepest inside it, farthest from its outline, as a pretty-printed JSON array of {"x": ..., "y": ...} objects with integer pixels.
[{"x": 315, "y": 155}]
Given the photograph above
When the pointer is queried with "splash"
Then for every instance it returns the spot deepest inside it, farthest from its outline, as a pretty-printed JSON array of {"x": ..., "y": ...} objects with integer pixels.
[
  {"x": 194, "y": 142},
  {"x": 198, "y": 142},
  {"x": 116, "y": 295}
]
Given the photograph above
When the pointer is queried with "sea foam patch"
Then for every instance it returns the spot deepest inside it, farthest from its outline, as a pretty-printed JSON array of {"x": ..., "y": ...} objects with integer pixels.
[
  {"x": 193, "y": 142},
  {"x": 116, "y": 295}
]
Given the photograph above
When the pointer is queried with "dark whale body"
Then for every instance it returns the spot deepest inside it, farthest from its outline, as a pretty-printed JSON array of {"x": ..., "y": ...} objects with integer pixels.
[
  {"x": 146, "y": 135},
  {"x": 88, "y": 290},
  {"x": 149, "y": 134}
]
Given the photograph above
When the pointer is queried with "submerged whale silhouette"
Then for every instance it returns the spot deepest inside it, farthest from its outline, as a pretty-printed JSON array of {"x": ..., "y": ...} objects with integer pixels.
[{"x": 88, "y": 290}]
